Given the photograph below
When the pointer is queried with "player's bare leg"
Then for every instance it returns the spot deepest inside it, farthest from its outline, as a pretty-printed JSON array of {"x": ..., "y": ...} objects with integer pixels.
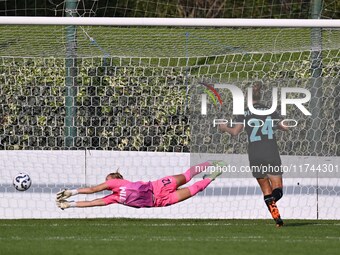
[{"x": 272, "y": 195}]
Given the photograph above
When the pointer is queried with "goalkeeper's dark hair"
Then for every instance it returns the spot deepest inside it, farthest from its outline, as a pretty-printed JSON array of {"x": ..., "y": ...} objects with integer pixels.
[
  {"x": 257, "y": 89},
  {"x": 116, "y": 175}
]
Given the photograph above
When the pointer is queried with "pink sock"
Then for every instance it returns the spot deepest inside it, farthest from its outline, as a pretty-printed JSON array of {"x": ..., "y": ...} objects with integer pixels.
[
  {"x": 194, "y": 170},
  {"x": 199, "y": 186}
]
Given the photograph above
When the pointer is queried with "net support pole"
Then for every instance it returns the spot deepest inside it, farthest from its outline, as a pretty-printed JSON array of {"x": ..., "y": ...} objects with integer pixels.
[
  {"x": 316, "y": 90},
  {"x": 316, "y": 81},
  {"x": 70, "y": 77}
]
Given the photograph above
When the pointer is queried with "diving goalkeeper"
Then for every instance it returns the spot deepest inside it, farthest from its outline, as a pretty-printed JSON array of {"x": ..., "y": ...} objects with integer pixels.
[{"x": 159, "y": 193}]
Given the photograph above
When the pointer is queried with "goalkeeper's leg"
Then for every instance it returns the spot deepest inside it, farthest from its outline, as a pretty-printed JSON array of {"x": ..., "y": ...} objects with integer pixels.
[
  {"x": 185, "y": 193},
  {"x": 182, "y": 179}
]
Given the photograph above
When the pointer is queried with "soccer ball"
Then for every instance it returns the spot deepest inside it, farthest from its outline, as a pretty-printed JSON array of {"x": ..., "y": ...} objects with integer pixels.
[{"x": 22, "y": 182}]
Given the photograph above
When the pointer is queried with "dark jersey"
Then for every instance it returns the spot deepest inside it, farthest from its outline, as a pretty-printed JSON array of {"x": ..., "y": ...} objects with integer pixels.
[{"x": 262, "y": 145}]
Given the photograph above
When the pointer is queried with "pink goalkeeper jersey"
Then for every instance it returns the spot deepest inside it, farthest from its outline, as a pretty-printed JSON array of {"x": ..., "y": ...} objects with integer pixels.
[{"x": 134, "y": 194}]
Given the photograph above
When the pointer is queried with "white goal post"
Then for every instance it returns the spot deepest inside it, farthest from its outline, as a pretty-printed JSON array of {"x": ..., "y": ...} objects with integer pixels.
[
  {"x": 182, "y": 22},
  {"x": 131, "y": 78}
]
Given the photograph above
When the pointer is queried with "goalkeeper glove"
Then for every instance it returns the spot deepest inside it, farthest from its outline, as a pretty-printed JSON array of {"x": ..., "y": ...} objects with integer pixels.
[
  {"x": 66, "y": 193},
  {"x": 63, "y": 204}
]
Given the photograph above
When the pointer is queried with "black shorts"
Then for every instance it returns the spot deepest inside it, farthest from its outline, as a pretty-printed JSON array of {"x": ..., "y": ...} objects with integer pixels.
[{"x": 261, "y": 170}]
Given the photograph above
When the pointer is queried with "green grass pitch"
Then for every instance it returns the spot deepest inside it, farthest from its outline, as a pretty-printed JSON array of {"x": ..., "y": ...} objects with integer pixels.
[{"x": 163, "y": 236}]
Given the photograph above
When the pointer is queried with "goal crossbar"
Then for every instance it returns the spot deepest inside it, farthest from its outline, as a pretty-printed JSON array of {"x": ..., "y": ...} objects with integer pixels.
[{"x": 182, "y": 22}]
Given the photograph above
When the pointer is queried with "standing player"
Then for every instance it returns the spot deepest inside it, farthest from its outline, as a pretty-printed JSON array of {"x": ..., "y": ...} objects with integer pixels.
[
  {"x": 263, "y": 152},
  {"x": 163, "y": 192}
]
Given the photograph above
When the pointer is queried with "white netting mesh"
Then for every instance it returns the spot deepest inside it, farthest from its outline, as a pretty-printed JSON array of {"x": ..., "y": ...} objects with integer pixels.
[
  {"x": 52, "y": 171},
  {"x": 141, "y": 102},
  {"x": 132, "y": 89},
  {"x": 172, "y": 8}
]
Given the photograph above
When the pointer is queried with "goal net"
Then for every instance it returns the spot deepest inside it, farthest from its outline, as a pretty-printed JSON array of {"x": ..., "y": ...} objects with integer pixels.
[{"x": 80, "y": 101}]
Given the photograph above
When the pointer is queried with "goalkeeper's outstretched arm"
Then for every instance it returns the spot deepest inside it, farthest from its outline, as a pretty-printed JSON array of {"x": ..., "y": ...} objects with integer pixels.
[
  {"x": 64, "y": 194},
  {"x": 64, "y": 204},
  {"x": 94, "y": 189}
]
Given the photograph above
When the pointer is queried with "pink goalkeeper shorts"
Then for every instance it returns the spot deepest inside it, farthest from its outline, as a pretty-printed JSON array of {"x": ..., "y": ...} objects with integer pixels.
[{"x": 164, "y": 191}]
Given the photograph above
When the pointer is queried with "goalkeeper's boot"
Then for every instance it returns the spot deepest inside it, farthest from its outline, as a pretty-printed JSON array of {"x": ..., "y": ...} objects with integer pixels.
[
  {"x": 218, "y": 170},
  {"x": 217, "y": 163},
  {"x": 274, "y": 211}
]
